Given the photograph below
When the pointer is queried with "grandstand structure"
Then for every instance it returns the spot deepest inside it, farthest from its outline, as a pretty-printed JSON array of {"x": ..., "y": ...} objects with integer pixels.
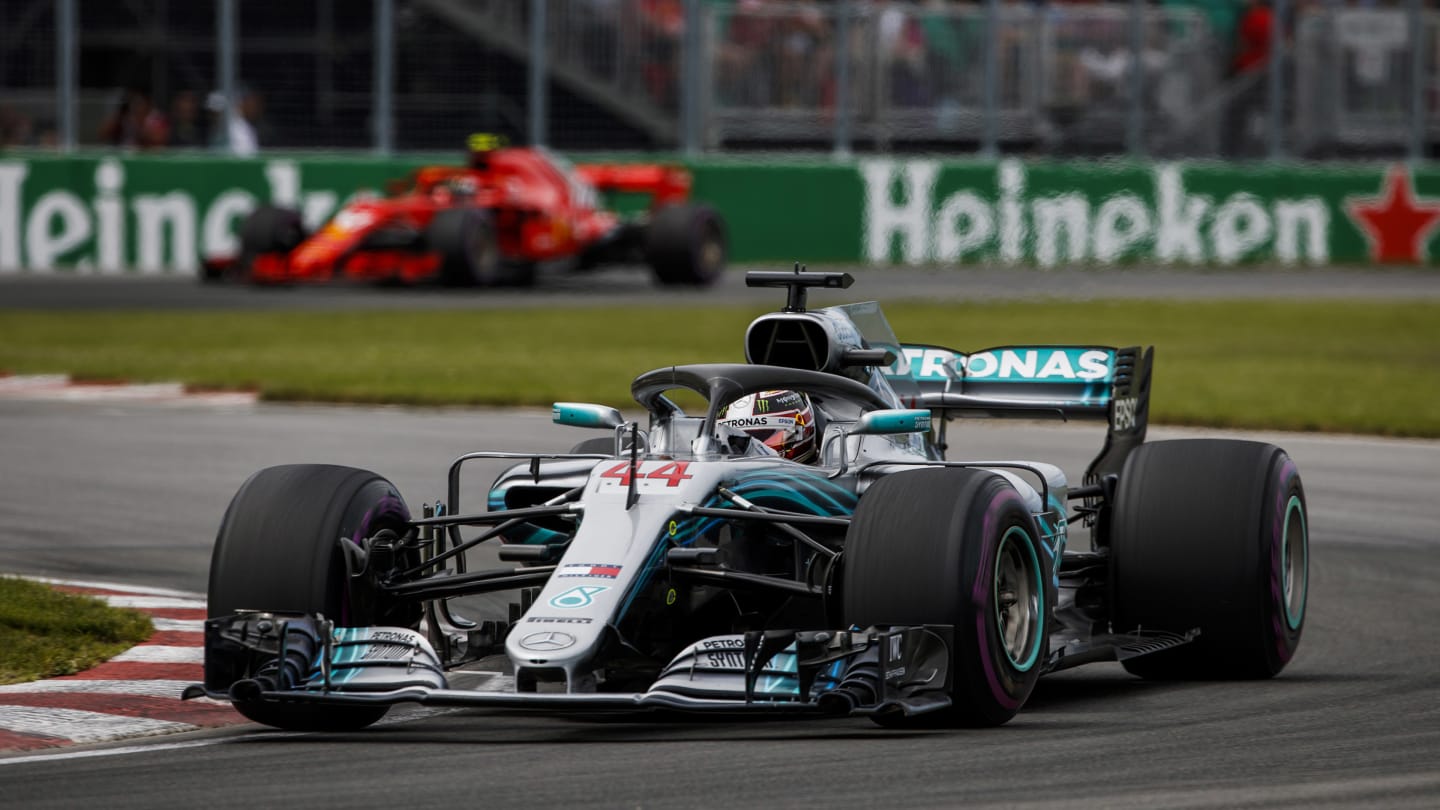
[{"x": 1037, "y": 78}]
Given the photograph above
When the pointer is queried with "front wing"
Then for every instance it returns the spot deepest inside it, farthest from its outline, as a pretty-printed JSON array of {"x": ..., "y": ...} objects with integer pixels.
[{"x": 293, "y": 658}]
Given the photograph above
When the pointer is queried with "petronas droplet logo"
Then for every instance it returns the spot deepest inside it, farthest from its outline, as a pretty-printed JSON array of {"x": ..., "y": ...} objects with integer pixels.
[{"x": 577, "y": 597}]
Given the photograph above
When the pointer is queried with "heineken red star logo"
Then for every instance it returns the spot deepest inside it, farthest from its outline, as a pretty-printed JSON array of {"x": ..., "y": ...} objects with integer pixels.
[{"x": 1396, "y": 223}]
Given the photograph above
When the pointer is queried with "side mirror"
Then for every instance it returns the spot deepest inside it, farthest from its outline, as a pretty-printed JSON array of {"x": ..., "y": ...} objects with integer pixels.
[
  {"x": 888, "y": 422},
  {"x": 585, "y": 415}
]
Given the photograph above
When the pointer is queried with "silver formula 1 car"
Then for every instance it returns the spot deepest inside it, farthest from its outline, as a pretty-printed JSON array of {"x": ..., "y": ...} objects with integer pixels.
[{"x": 680, "y": 563}]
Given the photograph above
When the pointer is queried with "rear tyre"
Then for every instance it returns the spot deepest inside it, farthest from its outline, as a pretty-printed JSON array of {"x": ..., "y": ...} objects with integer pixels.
[
  {"x": 278, "y": 549},
  {"x": 955, "y": 546},
  {"x": 469, "y": 250},
  {"x": 686, "y": 245},
  {"x": 1211, "y": 533},
  {"x": 268, "y": 229}
]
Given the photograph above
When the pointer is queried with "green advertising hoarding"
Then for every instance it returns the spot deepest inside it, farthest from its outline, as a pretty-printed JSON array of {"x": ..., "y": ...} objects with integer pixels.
[
  {"x": 113, "y": 214},
  {"x": 921, "y": 211}
]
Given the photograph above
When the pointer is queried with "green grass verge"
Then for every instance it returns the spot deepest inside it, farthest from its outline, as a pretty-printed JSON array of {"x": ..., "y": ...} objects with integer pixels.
[
  {"x": 1361, "y": 366},
  {"x": 44, "y": 632}
]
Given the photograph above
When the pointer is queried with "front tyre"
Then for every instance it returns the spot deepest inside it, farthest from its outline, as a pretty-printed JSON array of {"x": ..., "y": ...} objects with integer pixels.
[
  {"x": 1211, "y": 534},
  {"x": 955, "y": 546},
  {"x": 279, "y": 549},
  {"x": 269, "y": 229},
  {"x": 469, "y": 248}
]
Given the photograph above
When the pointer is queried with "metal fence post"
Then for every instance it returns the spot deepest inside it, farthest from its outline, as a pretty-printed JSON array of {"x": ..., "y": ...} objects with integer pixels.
[
  {"x": 65, "y": 35},
  {"x": 842, "y": 79},
  {"x": 383, "y": 119},
  {"x": 1135, "y": 116},
  {"x": 990, "y": 137},
  {"x": 1276, "y": 133},
  {"x": 691, "y": 87},
  {"x": 539, "y": 105},
  {"x": 1416, "y": 144},
  {"x": 225, "y": 56}
]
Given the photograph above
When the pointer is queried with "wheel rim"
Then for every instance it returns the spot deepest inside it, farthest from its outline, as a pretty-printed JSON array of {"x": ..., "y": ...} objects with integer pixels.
[
  {"x": 712, "y": 254},
  {"x": 1018, "y": 598},
  {"x": 482, "y": 252},
  {"x": 1294, "y": 549}
]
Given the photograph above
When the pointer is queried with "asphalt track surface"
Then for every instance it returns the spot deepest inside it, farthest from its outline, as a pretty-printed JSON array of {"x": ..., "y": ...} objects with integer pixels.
[{"x": 134, "y": 492}]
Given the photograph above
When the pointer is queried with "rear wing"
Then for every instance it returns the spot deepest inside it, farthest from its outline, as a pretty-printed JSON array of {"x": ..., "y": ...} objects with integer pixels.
[{"x": 1064, "y": 382}]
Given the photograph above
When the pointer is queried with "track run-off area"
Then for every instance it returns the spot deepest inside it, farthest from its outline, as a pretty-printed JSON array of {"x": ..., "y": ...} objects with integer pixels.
[{"x": 132, "y": 491}]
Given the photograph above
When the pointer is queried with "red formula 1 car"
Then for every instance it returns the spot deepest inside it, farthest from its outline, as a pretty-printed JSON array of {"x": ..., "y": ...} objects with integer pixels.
[{"x": 489, "y": 222}]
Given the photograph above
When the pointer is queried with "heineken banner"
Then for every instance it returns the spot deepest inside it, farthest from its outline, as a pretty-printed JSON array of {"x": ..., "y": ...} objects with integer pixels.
[{"x": 105, "y": 214}]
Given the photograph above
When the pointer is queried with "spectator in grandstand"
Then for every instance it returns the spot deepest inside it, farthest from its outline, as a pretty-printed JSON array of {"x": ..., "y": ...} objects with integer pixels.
[
  {"x": 902, "y": 49},
  {"x": 803, "y": 64},
  {"x": 135, "y": 123},
  {"x": 187, "y": 126},
  {"x": 238, "y": 128},
  {"x": 1219, "y": 14},
  {"x": 662, "y": 23},
  {"x": 16, "y": 128},
  {"x": 1252, "y": 44},
  {"x": 1252, "y": 57},
  {"x": 743, "y": 73}
]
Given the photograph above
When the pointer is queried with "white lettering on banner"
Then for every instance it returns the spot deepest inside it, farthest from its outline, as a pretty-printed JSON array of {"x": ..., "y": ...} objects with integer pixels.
[
  {"x": 909, "y": 220},
  {"x": 964, "y": 224},
  {"x": 154, "y": 214},
  {"x": 12, "y": 178},
  {"x": 110, "y": 213},
  {"x": 45, "y": 244},
  {"x": 318, "y": 207},
  {"x": 168, "y": 230},
  {"x": 218, "y": 230},
  {"x": 1122, "y": 222},
  {"x": 1065, "y": 215},
  {"x": 1290, "y": 215},
  {"x": 1012, "y": 220},
  {"x": 1241, "y": 226},
  {"x": 284, "y": 179},
  {"x": 1178, "y": 236},
  {"x": 901, "y": 206}
]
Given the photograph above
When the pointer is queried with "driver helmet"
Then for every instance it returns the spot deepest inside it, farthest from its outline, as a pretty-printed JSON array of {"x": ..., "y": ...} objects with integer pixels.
[{"x": 783, "y": 420}]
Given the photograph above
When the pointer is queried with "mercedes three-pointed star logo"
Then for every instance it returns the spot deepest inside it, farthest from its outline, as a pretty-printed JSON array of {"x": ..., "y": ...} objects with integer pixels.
[{"x": 547, "y": 641}]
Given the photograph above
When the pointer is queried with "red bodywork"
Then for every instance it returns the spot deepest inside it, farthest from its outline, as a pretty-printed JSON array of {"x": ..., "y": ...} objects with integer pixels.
[{"x": 542, "y": 209}]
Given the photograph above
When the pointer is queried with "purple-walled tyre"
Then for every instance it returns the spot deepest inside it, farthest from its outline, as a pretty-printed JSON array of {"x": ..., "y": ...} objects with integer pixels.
[
  {"x": 279, "y": 550},
  {"x": 955, "y": 546},
  {"x": 1211, "y": 534}
]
